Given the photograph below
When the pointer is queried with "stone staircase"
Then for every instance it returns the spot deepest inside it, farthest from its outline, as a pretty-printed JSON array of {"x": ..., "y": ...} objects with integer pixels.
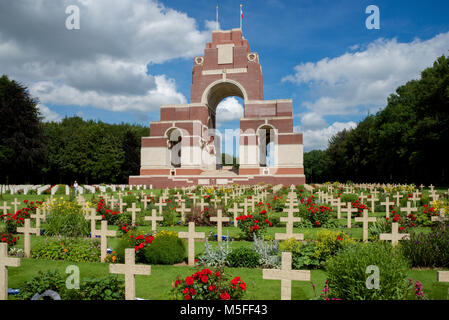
[{"x": 224, "y": 172}]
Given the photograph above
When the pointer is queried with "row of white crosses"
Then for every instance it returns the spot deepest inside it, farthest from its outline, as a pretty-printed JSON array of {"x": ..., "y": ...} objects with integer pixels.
[{"x": 290, "y": 219}]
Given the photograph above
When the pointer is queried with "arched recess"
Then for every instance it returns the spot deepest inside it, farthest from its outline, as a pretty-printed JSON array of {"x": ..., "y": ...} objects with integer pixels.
[
  {"x": 174, "y": 145},
  {"x": 266, "y": 136},
  {"x": 218, "y": 91}
]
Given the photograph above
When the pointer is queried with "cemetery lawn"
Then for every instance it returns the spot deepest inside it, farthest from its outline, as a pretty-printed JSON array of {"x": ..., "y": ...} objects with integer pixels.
[{"x": 157, "y": 285}]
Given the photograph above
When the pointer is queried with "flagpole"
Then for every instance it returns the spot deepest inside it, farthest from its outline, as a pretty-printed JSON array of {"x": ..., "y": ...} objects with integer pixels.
[
  {"x": 217, "y": 18},
  {"x": 241, "y": 12}
]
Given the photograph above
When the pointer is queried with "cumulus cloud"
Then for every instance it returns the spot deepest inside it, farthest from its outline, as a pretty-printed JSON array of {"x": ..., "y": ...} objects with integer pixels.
[
  {"x": 104, "y": 64},
  {"x": 312, "y": 121},
  {"x": 47, "y": 114},
  {"x": 229, "y": 109},
  {"x": 358, "y": 81},
  {"x": 319, "y": 139}
]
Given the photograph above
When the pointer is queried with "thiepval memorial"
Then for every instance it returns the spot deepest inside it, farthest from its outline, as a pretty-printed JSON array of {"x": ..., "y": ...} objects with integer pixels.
[{"x": 184, "y": 148}]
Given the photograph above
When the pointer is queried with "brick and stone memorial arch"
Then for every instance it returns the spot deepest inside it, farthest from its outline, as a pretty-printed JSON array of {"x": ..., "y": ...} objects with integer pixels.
[{"x": 183, "y": 148}]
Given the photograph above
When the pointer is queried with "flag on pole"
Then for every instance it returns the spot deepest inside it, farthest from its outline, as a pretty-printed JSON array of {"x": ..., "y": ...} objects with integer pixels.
[{"x": 241, "y": 15}]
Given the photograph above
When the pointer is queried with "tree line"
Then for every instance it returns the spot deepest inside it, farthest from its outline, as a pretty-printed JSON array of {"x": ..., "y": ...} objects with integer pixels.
[
  {"x": 404, "y": 143},
  {"x": 37, "y": 152}
]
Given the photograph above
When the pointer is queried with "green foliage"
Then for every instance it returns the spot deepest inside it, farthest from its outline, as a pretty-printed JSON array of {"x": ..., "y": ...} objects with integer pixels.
[
  {"x": 22, "y": 141},
  {"x": 428, "y": 250},
  {"x": 49, "y": 280},
  {"x": 328, "y": 243},
  {"x": 66, "y": 219},
  {"x": 270, "y": 256},
  {"x": 108, "y": 288},
  {"x": 316, "y": 166},
  {"x": 349, "y": 197},
  {"x": 166, "y": 248},
  {"x": 347, "y": 272},
  {"x": 67, "y": 249},
  {"x": 243, "y": 258},
  {"x": 215, "y": 257}
]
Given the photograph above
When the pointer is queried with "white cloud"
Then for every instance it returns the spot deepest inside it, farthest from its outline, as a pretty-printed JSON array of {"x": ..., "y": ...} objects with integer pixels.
[
  {"x": 47, "y": 114},
  {"x": 104, "y": 64},
  {"x": 319, "y": 139},
  {"x": 357, "y": 81},
  {"x": 312, "y": 121},
  {"x": 229, "y": 109}
]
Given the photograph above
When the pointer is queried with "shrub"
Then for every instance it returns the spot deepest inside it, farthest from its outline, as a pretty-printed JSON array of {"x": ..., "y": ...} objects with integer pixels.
[
  {"x": 243, "y": 258},
  {"x": 217, "y": 257},
  {"x": 428, "y": 250},
  {"x": 170, "y": 217},
  {"x": 349, "y": 197},
  {"x": 268, "y": 251},
  {"x": 139, "y": 241},
  {"x": 17, "y": 220},
  {"x": 8, "y": 238},
  {"x": 66, "y": 219},
  {"x": 49, "y": 280},
  {"x": 329, "y": 243},
  {"x": 251, "y": 225},
  {"x": 347, "y": 272},
  {"x": 318, "y": 215},
  {"x": 166, "y": 248},
  {"x": 108, "y": 288},
  {"x": 208, "y": 285},
  {"x": 106, "y": 213},
  {"x": 67, "y": 249},
  {"x": 304, "y": 258}
]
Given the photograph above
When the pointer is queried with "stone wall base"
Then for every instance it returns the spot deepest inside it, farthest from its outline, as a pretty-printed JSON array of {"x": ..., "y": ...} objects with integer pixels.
[{"x": 159, "y": 182}]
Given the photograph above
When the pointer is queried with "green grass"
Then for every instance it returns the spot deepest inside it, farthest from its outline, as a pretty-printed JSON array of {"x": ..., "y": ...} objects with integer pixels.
[{"x": 157, "y": 286}]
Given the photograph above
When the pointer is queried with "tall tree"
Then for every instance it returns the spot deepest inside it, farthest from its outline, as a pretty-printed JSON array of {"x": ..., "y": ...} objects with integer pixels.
[{"x": 21, "y": 134}]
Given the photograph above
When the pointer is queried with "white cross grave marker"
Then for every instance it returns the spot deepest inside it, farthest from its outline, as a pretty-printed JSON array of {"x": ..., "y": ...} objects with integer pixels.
[
  {"x": 130, "y": 269},
  {"x": 5, "y": 262},
  {"x": 191, "y": 236},
  {"x": 394, "y": 236},
  {"x": 153, "y": 218},
  {"x": 365, "y": 219},
  {"x": 286, "y": 275},
  {"x": 104, "y": 233},
  {"x": 219, "y": 219},
  {"x": 27, "y": 230}
]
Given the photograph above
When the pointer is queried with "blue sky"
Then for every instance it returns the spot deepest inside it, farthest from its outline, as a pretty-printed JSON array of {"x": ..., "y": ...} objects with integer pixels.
[{"x": 128, "y": 58}]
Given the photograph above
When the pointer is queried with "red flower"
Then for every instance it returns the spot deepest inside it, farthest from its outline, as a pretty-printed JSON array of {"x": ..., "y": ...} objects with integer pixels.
[
  {"x": 225, "y": 296},
  {"x": 235, "y": 281},
  {"x": 192, "y": 291},
  {"x": 212, "y": 287},
  {"x": 185, "y": 291},
  {"x": 204, "y": 279},
  {"x": 187, "y": 297},
  {"x": 189, "y": 281},
  {"x": 177, "y": 283},
  {"x": 243, "y": 286}
]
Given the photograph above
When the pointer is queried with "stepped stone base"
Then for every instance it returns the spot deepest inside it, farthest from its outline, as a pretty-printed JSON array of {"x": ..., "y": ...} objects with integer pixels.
[{"x": 222, "y": 178}]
